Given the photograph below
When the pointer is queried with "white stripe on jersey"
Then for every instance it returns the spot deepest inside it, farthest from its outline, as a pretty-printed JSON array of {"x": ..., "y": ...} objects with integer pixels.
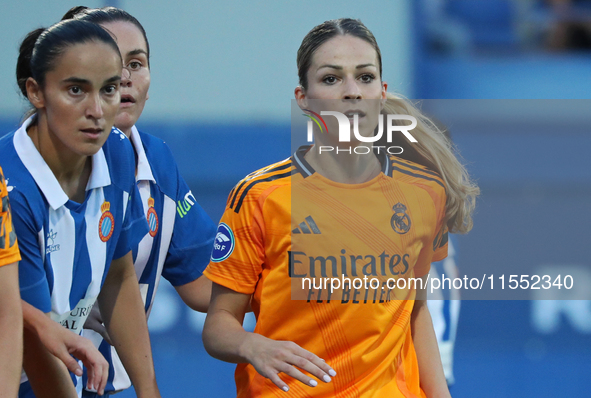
[
  {"x": 125, "y": 200},
  {"x": 63, "y": 228},
  {"x": 41, "y": 239},
  {"x": 97, "y": 250},
  {"x": 121, "y": 380}
]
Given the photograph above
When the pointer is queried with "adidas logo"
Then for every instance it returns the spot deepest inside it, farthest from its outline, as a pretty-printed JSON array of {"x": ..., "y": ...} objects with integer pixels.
[{"x": 307, "y": 228}]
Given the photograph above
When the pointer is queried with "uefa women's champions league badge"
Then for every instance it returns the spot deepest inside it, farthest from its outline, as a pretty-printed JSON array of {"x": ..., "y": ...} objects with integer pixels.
[
  {"x": 152, "y": 218},
  {"x": 400, "y": 221},
  {"x": 223, "y": 244},
  {"x": 106, "y": 222}
]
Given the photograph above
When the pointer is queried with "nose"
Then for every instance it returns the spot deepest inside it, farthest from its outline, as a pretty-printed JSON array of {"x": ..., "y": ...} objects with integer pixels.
[
  {"x": 94, "y": 108},
  {"x": 351, "y": 90},
  {"x": 125, "y": 77}
]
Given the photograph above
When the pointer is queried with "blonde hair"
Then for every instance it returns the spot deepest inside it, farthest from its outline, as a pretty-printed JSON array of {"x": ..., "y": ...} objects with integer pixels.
[{"x": 435, "y": 151}]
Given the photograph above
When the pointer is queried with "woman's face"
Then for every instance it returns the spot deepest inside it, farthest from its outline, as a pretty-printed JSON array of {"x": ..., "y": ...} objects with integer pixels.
[
  {"x": 344, "y": 76},
  {"x": 80, "y": 97},
  {"x": 135, "y": 84}
]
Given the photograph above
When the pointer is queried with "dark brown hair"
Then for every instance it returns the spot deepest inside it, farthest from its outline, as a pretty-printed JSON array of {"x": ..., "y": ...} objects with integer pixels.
[
  {"x": 326, "y": 31},
  {"x": 106, "y": 15},
  {"x": 42, "y": 47}
]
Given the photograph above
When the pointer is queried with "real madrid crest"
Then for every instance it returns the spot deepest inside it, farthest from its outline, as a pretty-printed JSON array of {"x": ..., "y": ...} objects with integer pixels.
[
  {"x": 152, "y": 218},
  {"x": 400, "y": 221},
  {"x": 106, "y": 223}
]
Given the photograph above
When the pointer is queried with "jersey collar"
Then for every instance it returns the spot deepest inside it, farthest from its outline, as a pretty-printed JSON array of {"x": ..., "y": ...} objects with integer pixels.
[
  {"x": 306, "y": 170},
  {"x": 144, "y": 171},
  {"x": 42, "y": 174}
]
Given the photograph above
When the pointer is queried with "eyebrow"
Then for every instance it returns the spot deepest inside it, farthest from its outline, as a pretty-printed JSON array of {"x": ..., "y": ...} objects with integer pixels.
[
  {"x": 78, "y": 80},
  {"x": 113, "y": 79},
  {"x": 137, "y": 51},
  {"x": 340, "y": 67}
]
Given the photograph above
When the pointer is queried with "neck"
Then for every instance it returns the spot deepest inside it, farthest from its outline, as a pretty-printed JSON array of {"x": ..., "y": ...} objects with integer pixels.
[
  {"x": 71, "y": 170},
  {"x": 344, "y": 167}
]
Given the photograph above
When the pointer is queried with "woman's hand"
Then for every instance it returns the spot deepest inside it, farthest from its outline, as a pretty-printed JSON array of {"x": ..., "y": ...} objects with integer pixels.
[
  {"x": 224, "y": 338},
  {"x": 271, "y": 357},
  {"x": 95, "y": 322}
]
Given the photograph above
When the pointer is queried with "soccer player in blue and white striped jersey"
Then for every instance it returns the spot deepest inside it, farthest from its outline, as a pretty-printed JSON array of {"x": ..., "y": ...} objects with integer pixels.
[
  {"x": 181, "y": 235},
  {"x": 76, "y": 209}
]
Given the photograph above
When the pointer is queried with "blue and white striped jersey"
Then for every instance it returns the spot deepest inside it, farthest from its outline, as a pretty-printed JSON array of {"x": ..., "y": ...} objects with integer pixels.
[
  {"x": 67, "y": 247},
  {"x": 180, "y": 240},
  {"x": 444, "y": 306}
]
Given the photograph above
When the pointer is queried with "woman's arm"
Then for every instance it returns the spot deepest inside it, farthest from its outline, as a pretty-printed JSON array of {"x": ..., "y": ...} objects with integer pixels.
[
  {"x": 48, "y": 346},
  {"x": 431, "y": 374},
  {"x": 122, "y": 310},
  {"x": 224, "y": 338},
  {"x": 11, "y": 331},
  {"x": 196, "y": 294}
]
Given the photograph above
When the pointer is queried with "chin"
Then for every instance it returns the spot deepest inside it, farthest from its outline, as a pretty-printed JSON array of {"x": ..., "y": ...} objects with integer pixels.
[{"x": 124, "y": 122}]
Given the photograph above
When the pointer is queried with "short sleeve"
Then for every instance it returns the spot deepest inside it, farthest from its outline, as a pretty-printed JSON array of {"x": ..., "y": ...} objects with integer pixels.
[
  {"x": 34, "y": 285},
  {"x": 9, "y": 252},
  {"x": 192, "y": 239},
  {"x": 135, "y": 225},
  {"x": 238, "y": 249}
]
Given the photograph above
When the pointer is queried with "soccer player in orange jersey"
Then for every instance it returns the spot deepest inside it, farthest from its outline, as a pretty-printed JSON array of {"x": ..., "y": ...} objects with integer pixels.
[
  {"x": 328, "y": 216},
  {"x": 11, "y": 315}
]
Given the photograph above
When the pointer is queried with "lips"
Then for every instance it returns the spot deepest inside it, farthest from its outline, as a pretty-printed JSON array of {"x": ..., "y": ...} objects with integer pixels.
[
  {"x": 351, "y": 113},
  {"x": 92, "y": 132},
  {"x": 127, "y": 100}
]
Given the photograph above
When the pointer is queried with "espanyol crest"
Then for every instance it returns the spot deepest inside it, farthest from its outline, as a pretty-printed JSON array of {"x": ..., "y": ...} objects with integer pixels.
[
  {"x": 106, "y": 222},
  {"x": 223, "y": 244},
  {"x": 152, "y": 217}
]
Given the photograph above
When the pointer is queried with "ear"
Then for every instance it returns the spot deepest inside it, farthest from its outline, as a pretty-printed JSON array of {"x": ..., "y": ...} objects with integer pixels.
[
  {"x": 34, "y": 93},
  {"x": 147, "y": 96},
  {"x": 384, "y": 96},
  {"x": 300, "y": 97}
]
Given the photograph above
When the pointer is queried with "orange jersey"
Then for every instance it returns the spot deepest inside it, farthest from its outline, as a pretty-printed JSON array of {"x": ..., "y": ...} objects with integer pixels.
[
  {"x": 8, "y": 245},
  {"x": 285, "y": 225}
]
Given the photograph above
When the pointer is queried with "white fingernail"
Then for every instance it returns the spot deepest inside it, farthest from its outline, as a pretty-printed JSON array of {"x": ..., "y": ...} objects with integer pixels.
[
  {"x": 326, "y": 378},
  {"x": 285, "y": 388},
  {"x": 332, "y": 373},
  {"x": 313, "y": 383}
]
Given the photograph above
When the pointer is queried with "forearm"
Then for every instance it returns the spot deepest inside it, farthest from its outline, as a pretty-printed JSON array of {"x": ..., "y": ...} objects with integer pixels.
[
  {"x": 48, "y": 375},
  {"x": 11, "y": 331},
  {"x": 431, "y": 374},
  {"x": 124, "y": 316},
  {"x": 224, "y": 337}
]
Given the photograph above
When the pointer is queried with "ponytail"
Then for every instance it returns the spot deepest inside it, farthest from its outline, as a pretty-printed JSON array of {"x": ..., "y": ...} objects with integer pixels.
[
  {"x": 23, "y": 64},
  {"x": 435, "y": 151}
]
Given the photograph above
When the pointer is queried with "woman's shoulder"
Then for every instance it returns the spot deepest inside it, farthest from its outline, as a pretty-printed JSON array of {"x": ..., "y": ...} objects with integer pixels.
[
  {"x": 260, "y": 182},
  {"x": 412, "y": 172},
  {"x": 20, "y": 184}
]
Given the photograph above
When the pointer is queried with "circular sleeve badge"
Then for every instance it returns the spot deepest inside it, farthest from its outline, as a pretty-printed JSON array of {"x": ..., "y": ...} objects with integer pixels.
[{"x": 223, "y": 244}]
